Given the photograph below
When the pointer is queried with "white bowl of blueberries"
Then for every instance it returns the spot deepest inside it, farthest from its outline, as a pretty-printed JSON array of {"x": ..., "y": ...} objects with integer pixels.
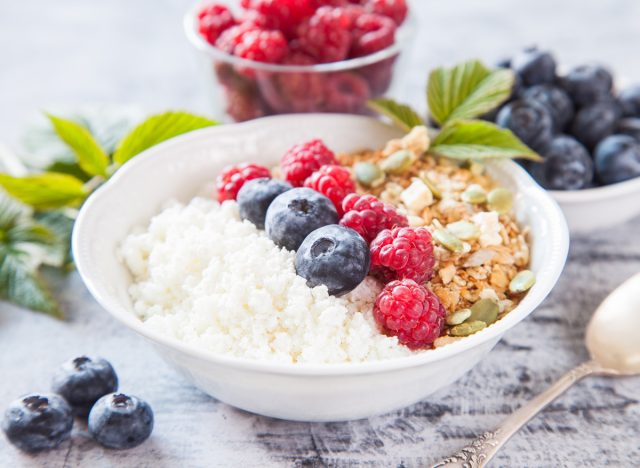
[{"x": 588, "y": 132}]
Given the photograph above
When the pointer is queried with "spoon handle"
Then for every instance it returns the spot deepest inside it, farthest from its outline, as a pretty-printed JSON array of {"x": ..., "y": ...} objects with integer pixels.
[{"x": 481, "y": 450}]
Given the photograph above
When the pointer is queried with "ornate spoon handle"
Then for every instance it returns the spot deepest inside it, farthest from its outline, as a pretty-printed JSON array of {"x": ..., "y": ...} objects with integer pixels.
[{"x": 481, "y": 450}]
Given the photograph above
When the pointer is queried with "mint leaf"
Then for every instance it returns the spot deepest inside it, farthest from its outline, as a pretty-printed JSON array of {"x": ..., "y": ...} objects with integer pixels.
[
  {"x": 157, "y": 129},
  {"x": 477, "y": 139},
  {"x": 401, "y": 115},
  {"x": 91, "y": 157},
  {"x": 30, "y": 234},
  {"x": 45, "y": 191},
  {"x": 61, "y": 225},
  {"x": 466, "y": 91}
]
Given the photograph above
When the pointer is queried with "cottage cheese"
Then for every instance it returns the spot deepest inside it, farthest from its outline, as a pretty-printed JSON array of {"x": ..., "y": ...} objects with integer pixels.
[{"x": 203, "y": 276}]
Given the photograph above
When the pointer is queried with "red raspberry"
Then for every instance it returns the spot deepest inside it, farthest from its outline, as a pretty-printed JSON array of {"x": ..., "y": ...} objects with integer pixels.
[
  {"x": 403, "y": 253},
  {"x": 379, "y": 75},
  {"x": 326, "y": 35},
  {"x": 395, "y": 9},
  {"x": 367, "y": 215},
  {"x": 346, "y": 92},
  {"x": 283, "y": 15},
  {"x": 334, "y": 182},
  {"x": 232, "y": 178},
  {"x": 230, "y": 38},
  {"x": 300, "y": 161},
  {"x": 262, "y": 46},
  {"x": 372, "y": 33},
  {"x": 213, "y": 19},
  {"x": 411, "y": 312},
  {"x": 243, "y": 103}
]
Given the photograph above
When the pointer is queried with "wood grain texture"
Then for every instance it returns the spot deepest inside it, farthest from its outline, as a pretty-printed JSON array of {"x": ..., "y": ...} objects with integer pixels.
[{"x": 123, "y": 52}]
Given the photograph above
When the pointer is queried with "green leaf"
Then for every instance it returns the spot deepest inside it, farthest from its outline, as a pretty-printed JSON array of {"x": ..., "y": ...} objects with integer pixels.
[
  {"x": 402, "y": 115},
  {"x": 72, "y": 168},
  {"x": 477, "y": 139},
  {"x": 10, "y": 212},
  {"x": 157, "y": 129},
  {"x": 466, "y": 91},
  {"x": 30, "y": 234},
  {"x": 45, "y": 191},
  {"x": 61, "y": 225},
  {"x": 91, "y": 157}
]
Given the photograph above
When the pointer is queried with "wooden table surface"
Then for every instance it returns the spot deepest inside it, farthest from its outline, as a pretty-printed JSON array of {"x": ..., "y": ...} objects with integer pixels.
[{"x": 73, "y": 52}]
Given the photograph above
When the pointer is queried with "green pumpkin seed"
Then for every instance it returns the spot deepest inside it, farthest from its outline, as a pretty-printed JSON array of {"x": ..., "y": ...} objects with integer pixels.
[
  {"x": 500, "y": 200},
  {"x": 458, "y": 316},
  {"x": 467, "y": 328},
  {"x": 464, "y": 230},
  {"x": 448, "y": 240},
  {"x": 368, "y": 174},
  {"x": 398, "y": 162},
  {"x": 476, "y": 168},
  {"x": 431, "y": 184},
  {"x": 484, "y": 310},
  {"x": 522, "y": 282},
  {"x": 474, "y": 194}
]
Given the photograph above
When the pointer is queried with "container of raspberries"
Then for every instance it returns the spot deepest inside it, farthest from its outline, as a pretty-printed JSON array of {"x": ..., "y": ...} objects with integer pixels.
[
  {"x": 587, "y": 128},
  {"x": 266, "y": 57}
]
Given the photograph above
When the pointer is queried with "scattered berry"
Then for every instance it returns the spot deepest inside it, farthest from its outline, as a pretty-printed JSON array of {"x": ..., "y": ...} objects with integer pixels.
[
  {"x": 556, "y": 100},
  {"x": 256, "y": 195},
  {"x": 302, "y": 160},
  {"x": 368, "y": 216},
  {"x": 529, "y": 120},
  {"x": 334, "y": 256},
  {"x": 630, "y": 101},
  {"x": 372, "y": 33},
  {"x": 587, "y": 84},
  {"x": 566, "y": 166},
  {"x": 411, "y": 312},
  {"x": 534, "y": 67},
  {"x": 118, "y": 421},
  {"x": 595, "y": 122},
  {"x": 213, "y": 19},
  {"x": 232, "y": 178},
  {"x": 395, "y": 9},
  {"x": 262, "y": 46},
  {"x": 294, "y": 214},
  {"x": 617, "y": 158},
  {"x": 38, "y": 422},
  {"x": 346, "y": 92},
  {"x": 325, "y": 35},
  {"x": 334, "y": 182},
  {"x": 403, "y": 253},
  {"x": 83, "y": 380}
]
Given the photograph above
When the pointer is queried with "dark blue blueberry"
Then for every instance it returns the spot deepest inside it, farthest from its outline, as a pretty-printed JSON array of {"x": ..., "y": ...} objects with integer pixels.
[
  {"x": 630, "y": 101},
  {"x": 556, "y": 100},
  {"x": 293, "y": 215},
  {"x": 587, "y": 84},
  {"x": 617, "y": 159},
  {"x": 504, "y": 62},
  {"x": 567, "y": 165},
  {"x": 120, "y": 421},
  {"x": 595, "y": 122},
  {"x": 529, "y": 120},
  {"x": 629, "y": 126},
  {"x": 335, "y": 256},
  {"x": 38, "y": 422},
  {"x": 81, "y": 381},
  {"x": 256, "y": 195},
  {"x": 534, "y": 67}
]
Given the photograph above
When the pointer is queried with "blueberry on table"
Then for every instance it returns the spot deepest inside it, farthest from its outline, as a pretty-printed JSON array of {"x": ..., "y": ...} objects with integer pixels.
[
  {"x": 534, "y": 67},
  {"x": 629, "y": 126},
  {"x": 529, "y": 120},
  {"x": 567, "y": 165},
  {"x": 38, "y": 422},
  {"x": 587, "y": 84},
  {"x": 630, "y": 101},
  {"x": 335, "y": 256},
  {"x": 83, "y": 380},
  {"x": 294, "y": 214},
  {"x": 556, "y": 100},
  {"x": 119, "y": 421},
  {"x": 595, "y": 122},
  {"x": 256, "y": 195},
  {"x": 617, "y": 159}
]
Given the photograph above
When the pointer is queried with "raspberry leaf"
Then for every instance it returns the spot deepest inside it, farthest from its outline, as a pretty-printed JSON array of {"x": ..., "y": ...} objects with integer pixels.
[
  {"x": 466, "y": 91},
  {"x": 45, "y": 191},
  {"x": 477, "y": 139},
  {"x": 402, "y": 115}
]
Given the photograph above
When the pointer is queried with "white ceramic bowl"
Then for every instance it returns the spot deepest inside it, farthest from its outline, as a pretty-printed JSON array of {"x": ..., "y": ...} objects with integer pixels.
[{"x": 180, "y": 167}]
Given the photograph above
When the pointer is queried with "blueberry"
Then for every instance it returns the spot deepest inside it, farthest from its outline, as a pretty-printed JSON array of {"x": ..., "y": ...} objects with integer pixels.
[
  {"x": 630, "y": 101},
  {"x": 529, "y": 120},
  {"x": 587, "y": 84},
  {"x": 567, "y": 165},
  {"x": 256, "y": 195},
  {"x": 38, "y": 422},
  {"x": 595, "y": 122},
  {"x": 335, "y": 256},
  {"x": 556, "y": 100},
  {"x": 617, "y": 159},
  {"x": 534, "y": 67},
  {"x": 120, "y": 421},
  {"x": 81, "y": 381},
  {"x": 504, "y": 62},
  {"x": 629, "y": 126},
  {"x": 295, "y": 213}
]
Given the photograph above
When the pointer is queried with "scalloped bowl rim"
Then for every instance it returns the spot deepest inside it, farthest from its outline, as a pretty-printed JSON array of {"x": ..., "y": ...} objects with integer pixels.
[{"x": 628, "y": 187}]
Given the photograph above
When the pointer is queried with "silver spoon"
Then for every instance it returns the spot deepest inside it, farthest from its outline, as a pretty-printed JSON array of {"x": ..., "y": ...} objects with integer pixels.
[{"x": 613, "y": 341}]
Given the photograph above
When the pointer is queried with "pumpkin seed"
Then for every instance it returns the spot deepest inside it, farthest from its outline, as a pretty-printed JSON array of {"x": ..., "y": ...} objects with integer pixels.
[
  {"x": 458, "y": 316},
  {"x": 500, "y": 200},
  {"x": 522, "y": 282},
  {"x": 474, "y": 194},
  {"x": 398, "y": 162},
  {"x": 368, "y": 174},
  {"x": 464, "y": 230},
  {"x": 484, "y": 310},
  {"x": 448, "y": 240},
  {"x": 431, "y": 184},
  {"x": 476, "y": 168},
  {"x": 467, "y": 328}
]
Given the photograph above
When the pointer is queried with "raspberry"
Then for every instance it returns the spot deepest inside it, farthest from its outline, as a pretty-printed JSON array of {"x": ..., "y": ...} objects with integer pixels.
[
  {"x": 243, "y": 103},
  {"x": 403, "y": 253},
  {"x": 394, "y": 9},
  {"x": 213, "y": 19},
  {"x": 411, "y": 312},
  {"x": 262, "y": 46},
  {"x": 283, "y": 15},
  {"x": 230, "y": 38},
  {"x": 367, "y": 215},
  {"x": 334, "y": 182},
  {"x": 372, "y": 33},
  {"x": 326, "y": 35},
  {"x": 300, "y": 161},
  {"x": 379, "y": 75},
  {"x": 232, "y": 178},
  {"x": 346, "y": 92}
]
